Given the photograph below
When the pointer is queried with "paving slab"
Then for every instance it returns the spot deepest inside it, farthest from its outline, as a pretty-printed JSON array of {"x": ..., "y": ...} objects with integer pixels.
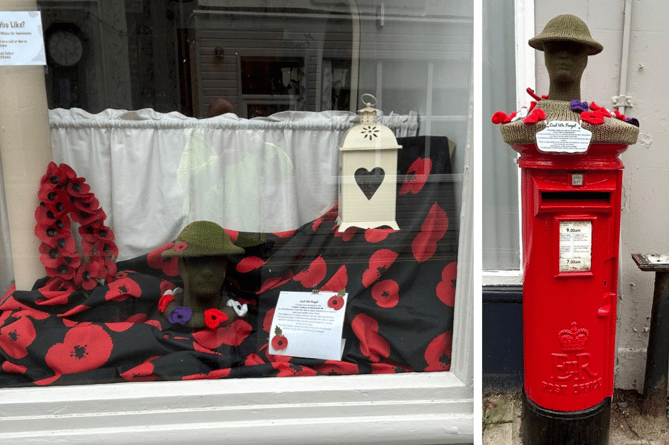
[{"x": 498, "y": 434}]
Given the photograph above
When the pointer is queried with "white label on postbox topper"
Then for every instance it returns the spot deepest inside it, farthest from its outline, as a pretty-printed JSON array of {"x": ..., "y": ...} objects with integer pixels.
[
  {"x": 575, "y": 246},
  {"x": 563, "y": 137}
]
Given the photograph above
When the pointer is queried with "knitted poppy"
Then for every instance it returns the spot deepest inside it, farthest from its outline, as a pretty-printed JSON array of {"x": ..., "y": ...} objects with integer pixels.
[
  {"x": 165, "y": 300},
  {"x": 593, "y": 117},
  {"x": 86, "y": 217},
  {"x": 77, "y": 188},
  {"x": 214, "y": 317},
  {"x": 632, "y": 120},
  {"x": 44, "y": 216},
  {"x": 62, "y": 271},
  {"x": 52, "y": 256},
  {"x": 55, "y": 200},
  {"x": 535, "y": 116},
  {"x": 87, "y": 275},
  {"x": 604, "y": 111},
  {"x": 531, "y": 92},
  {"x": 180, "y": 315},
  {"x": 500, "y": 117},
  {"x": 57, "y": 176},
  {"x": 49, "y": 231},
  {"x": 577, "y": 105}
]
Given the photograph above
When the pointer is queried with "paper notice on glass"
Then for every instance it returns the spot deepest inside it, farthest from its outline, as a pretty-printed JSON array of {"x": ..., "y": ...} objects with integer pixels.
[
  {"x": 21, "y": 38},
  {"x": 575, "y": 246},
  {"x": 308, "y": 325},
  {"x": 563, "y": 137}
]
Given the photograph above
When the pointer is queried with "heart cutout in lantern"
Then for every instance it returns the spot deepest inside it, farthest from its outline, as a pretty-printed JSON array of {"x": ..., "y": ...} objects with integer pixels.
[{"x": 369, "y": 182}]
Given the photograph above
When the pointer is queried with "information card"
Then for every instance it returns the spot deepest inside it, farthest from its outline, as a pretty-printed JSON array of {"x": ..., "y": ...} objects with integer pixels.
[
  {"x": 563, "y": 137},
  {"x": 575, "y": 246},
  {"x": 21, "y": 38},
  {"x": 309, "y": 325}
]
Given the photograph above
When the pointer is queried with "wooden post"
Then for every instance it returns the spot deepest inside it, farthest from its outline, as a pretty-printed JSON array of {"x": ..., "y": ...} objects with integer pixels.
[
  {"x": 25, "y": 146},
  {"x": 657, "y": 354}
]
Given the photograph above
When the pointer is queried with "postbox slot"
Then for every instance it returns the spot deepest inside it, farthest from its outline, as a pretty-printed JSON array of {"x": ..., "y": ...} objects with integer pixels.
[{"x": 572, "y": 198}]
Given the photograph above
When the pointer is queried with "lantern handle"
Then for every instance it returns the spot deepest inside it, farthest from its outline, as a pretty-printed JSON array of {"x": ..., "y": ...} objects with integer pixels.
[{"x": 369, "y": 104}]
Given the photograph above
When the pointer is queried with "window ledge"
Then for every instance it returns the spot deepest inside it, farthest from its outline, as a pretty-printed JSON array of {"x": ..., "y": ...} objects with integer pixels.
[
  {"x": 502, "y": 278},
  {"x": 409, "y": 408}
]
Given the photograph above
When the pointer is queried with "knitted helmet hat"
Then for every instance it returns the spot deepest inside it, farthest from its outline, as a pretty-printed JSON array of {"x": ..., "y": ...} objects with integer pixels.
[
  {"x": 566, "y": 27},
  {"x": 202, "y": 238}
]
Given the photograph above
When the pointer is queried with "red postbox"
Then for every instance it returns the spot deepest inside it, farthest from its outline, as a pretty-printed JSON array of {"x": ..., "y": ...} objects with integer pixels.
[
  {"x": 571, "y": 182},
  {"x": 571, "y": 205}
]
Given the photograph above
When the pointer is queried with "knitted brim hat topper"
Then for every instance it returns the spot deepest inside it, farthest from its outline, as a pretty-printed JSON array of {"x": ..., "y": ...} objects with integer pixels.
[
  {"x": 566, "y": 27},
  {"x": 202, "y": 238}
]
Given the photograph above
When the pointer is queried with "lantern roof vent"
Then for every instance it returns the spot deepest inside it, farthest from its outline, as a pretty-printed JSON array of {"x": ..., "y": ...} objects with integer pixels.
[{"x": 369, "y": 134}]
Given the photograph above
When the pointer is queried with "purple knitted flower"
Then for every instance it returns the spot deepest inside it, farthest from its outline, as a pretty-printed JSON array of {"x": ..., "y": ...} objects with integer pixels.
[
  {"x": 633, "y": 121},
  {"x": 579, "y": 106},
  {"x": 180, "y": 315}
]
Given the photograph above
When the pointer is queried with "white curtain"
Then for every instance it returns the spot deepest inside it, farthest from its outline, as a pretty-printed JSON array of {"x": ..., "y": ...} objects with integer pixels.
[{"x": 154, "y": 173}]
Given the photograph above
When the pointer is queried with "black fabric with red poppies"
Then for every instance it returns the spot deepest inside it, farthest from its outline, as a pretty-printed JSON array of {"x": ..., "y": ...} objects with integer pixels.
[{"x": 401, "y": 287}]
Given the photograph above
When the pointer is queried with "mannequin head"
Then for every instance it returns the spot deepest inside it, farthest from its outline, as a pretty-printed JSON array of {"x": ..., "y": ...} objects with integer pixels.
[
  {"x": 565, "y": 62},
  {"x": 202, "y": 249},
  {"x": 566, "y": 43},
  {"x": 203, "y": 277}
]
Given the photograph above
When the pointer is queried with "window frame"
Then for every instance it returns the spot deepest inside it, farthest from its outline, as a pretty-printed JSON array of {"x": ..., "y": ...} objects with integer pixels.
[{"x": 411, "y": 408}]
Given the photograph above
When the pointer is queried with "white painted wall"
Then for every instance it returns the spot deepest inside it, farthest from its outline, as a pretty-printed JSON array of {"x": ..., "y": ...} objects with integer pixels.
[{"x": 645, "y": 205}]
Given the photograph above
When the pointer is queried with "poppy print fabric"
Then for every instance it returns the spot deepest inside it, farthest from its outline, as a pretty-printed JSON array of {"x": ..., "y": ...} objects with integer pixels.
[{"x": 399, "y": 315}]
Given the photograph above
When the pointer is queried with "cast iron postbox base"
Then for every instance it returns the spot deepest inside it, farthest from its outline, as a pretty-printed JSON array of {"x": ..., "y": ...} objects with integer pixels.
[{"x": 542, "y": 426}]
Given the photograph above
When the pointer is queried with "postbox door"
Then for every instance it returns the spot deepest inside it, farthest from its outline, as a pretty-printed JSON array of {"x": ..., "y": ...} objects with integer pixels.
[{"x": 569, "y": 291}]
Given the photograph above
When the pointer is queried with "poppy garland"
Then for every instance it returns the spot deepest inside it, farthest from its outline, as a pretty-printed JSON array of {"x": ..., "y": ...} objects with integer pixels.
[{"x": 62, "y": 195}]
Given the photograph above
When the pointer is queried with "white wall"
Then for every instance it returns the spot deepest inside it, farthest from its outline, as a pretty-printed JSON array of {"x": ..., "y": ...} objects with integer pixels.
[{"x": 645, "y": 205}]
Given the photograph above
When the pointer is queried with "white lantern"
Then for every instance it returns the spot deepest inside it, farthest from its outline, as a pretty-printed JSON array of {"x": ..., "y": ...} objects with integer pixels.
[{"x": 368, "y": 173}]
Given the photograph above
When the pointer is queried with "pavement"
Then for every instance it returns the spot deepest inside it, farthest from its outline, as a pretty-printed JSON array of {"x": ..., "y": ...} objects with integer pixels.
[{"x": 501, "y": 420}]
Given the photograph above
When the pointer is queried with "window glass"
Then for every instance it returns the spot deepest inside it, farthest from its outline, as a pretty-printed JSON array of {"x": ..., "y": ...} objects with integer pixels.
[
  {"x": 210, "y": 162},
  {"x": 501, "y": 232}
]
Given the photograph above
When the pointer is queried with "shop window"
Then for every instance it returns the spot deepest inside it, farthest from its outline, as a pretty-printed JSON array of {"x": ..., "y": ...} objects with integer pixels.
[{"x": 233, "y": 112}]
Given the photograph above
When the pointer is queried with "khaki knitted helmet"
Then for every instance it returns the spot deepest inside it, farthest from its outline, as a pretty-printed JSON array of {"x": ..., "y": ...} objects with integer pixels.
[
  {"x": 566, "y": 27},
  {"x": 202, "y": 238}
]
